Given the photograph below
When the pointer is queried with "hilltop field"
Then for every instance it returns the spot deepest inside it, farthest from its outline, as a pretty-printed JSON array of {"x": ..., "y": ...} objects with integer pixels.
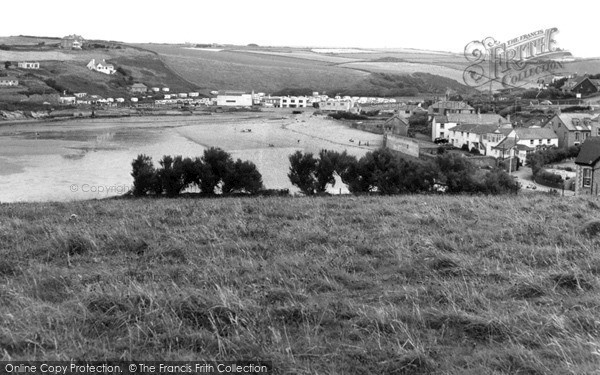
[{"x": 341, "y": 285}]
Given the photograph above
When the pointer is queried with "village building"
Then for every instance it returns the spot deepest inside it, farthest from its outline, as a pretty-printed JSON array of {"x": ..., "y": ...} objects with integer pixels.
[
  {"x": 480, "y": 137},
  {"x": 193, "y": 94},
  {"x": 138, "y": 88},
  {"x": 67, "y": 100},
  {"x": 28, "y": 65},
  {"x": 271, "y": 101},
  {"x": 586, "y": 86},
  {"x": 520, "y": 142},
  {"x": 234, "y": 99},
  {"x": 588, "y": 167},
  {"x": 335, "y": 105},
  {"x": 445, "y": 107},
  {"x": 80, "y": 94},
  {"x": 72, "y": 42},
  {"x": 294, "y": 101},
  {"x": 101, "y": 67},
  {"x": 571, "y": 128},
  {"x": 396, "y": 125},
  {"x": 440, "y": 125},
  {"x": 9, "y": 81}
]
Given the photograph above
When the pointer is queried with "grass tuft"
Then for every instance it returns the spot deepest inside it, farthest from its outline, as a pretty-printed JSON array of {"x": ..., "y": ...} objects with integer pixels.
[
  {"x": 571, "y": 281},
  {"x": 591, "y": 228}
]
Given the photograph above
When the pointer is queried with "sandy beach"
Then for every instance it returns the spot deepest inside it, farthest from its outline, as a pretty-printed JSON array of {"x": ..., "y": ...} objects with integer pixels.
[{"x": 43, "y": 160}]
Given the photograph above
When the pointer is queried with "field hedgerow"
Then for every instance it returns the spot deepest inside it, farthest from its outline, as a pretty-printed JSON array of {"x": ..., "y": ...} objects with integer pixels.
[{"x": 408, "y": 284}]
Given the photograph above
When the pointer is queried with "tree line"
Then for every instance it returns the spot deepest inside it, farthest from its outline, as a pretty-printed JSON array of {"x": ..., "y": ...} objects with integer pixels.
[
  {"x": 384, "y": 172},
  {"x": 215, "y": 169}
]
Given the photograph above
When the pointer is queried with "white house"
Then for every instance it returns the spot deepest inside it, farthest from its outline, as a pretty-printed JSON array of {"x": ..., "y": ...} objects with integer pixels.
[
  {"x": 28, "y": 65},
  {"x": 234, "y": 99},
  {"x": 80, "y": 94},
  {"x": 523, "y": 141},
  {"x": 440, "y": 125},
  {"x": 478, "y": 136},
  {"x": 193, "y": 94},
  {"x": 294, "y": 101},
  {"x": 165, "y": 89},
  {"x": 9, "y": 81},
  {"x": 102, "y": 67},
  {"x": 336, "y": 105},
  {"x": 67, "y": 100}
]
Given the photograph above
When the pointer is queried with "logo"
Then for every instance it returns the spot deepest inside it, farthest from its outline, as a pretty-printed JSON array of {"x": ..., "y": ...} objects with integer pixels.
[{"x": 519, "y": 62}]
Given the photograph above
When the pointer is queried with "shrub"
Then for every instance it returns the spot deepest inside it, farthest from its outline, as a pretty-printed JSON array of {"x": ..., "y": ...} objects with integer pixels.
[
  {"x": 302, "y": 174},
  {"x": 456, "y": 172},
  {"x": 242, "y": 176},
  {"x": 171, "y": 175},
  {"x": 464, "y": 147},
  {"x": 143, "y": 175},
  {"x": 475, "y": 151},
  {"x": 216, "y": 164}
]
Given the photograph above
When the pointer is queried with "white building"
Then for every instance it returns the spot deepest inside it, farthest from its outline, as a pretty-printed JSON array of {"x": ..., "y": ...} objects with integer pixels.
[
  {"x": 294, "y": 101},
  {"x": 523, "y": 141},
  {"x": 336, "y": 105},
  {"x": 102, "y": 67},
  {"x": 28, "y": 65},
  {"x": 234, "y": 99},
  {"x": 440, "y": 125},
  {"x": 481, "y": 137}
]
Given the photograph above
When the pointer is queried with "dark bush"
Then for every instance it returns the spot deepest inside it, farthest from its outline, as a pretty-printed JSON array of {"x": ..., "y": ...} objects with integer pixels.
[
  {"x": 303, "y": 172},
  {"x": 143, "y": 175},
  {"x": 243, "y": 176}
]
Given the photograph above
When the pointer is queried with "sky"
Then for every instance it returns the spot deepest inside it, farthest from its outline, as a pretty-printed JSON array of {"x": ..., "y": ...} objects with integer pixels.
[{"x": 432, "y": 25}]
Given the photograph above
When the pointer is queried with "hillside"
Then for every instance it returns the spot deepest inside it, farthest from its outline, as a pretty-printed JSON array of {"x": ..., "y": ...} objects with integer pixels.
[
  {"x": 341, "y": 285},
  {"x": 67, "y": 68},
  {"x": 286, "y": 69}
]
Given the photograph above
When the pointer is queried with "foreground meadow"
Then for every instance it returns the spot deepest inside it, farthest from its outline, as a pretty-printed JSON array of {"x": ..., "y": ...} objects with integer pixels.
[{"x": 338, "y": 285}]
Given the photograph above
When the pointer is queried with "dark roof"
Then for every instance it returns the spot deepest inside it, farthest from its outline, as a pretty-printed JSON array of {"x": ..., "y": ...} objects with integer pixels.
[
  {"x": 576, "y": 121},
  {"x": 506, "y": 144},
  {"x": 440, "y": 119},
  {"x": 590, "y": 152},
  {"x": 451, "y": 105}
]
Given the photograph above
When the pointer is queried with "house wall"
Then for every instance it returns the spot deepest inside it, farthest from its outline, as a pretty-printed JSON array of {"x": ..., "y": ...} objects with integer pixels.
[
  {"x": 594, "y": 187},
  {"x": 458, "y": 138},
  {"x": 244, "y": 100},
  {"x": 438, "y": 128},
  {"x": 336, "y": 105},
  {"x": 566, "y": 138},
  {"x": 403, "y": 145}
]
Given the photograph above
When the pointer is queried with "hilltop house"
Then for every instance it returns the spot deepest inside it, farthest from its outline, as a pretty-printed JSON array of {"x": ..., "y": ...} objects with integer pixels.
[
  {"x": 571, "y": 128},
  {"x": 9, "y": 81},
  {"x": 102, "y": 67},
  {"x": 588, "y": 168},
  {"x": 441, "y": 124},
  {"x": 138, "y": 88},
  {"x": 72, "y": 42},
  {"x": 28, "y": 65},
  {"x": 522, "y": 141},
  {"x": 586, "y": 86}
]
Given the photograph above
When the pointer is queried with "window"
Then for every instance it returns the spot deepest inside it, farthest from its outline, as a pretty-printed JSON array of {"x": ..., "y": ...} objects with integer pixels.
[
  {"x": 577, "y": 136},
  {"x": 587, "y": 177},
  {"x": 442, "y": 126},
  {"x": 531, "y": 142},
  {"x": 441, "y": 134},
  {"x": 548, "y": 141},
  {"x": 539, "y": 141}
]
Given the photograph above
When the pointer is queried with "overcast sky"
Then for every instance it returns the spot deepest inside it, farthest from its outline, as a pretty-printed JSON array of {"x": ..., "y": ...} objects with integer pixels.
[{"x": 434, "y": 25}]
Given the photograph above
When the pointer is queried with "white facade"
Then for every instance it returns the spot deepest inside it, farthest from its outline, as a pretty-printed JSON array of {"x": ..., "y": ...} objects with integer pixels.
[
  {"x": 234, "y": 99},
  {"x": 28, "y": 65},
  {"x": 294, "y": 101},
  {"x": 101, "y": 67},
  {"x": 336, "y": 105}
]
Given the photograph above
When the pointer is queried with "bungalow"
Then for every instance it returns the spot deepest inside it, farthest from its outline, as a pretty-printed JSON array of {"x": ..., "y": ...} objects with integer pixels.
[
  {"x": 156, "y": 89},
  {"x": 28, "y": 65},
  {"x": 336, "y": 105},
  {"x": 193, "y": 94},
  {"x": 441, "y": 124},
  {"x": 138, "y": 87},
  {"x": 9, "y": 81},
  {"x": 588, "y": 169},
  {"x": 571, "y": 128},
  {"x": 67, "y": 100},
  {"x": 102, "y": 67}
]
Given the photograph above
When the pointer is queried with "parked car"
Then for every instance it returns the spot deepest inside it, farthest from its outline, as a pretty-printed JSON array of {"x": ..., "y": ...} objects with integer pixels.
[{"x": 440, "y": 140}]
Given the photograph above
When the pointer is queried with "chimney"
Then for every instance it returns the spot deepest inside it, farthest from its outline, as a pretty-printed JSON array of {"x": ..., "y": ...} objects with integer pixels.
[{"x": 508, "y": 118}]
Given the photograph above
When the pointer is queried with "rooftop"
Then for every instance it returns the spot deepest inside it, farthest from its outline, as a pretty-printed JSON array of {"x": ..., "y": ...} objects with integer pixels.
[
  {"x": 590, "y": 152},
  {"x": 535, "y": 133}
]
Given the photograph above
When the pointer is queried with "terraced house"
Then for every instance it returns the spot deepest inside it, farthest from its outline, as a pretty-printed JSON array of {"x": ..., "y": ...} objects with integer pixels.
[
  {"x": 520, "y": 142},
  {"x": 9, "y": 81},
  {"x": 480, "y": 137},
  {"x": 440, "y": 125}
]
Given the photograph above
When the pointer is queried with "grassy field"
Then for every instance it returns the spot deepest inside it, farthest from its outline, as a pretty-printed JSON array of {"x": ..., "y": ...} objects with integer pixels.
[{"x": 340, "y": 285}]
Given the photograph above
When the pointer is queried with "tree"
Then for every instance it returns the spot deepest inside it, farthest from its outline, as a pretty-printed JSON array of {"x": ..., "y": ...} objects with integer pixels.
[
  {"x": 456, "y": 171},
  {"x": 7, "y": 65},
  {"x": 143, "y": 175},
  {"x": 216, "y": 164},
  {"x": 302, "y": 172},
  {"x": 171, "y": 175},
  {"x": 243, "y": 176}
]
